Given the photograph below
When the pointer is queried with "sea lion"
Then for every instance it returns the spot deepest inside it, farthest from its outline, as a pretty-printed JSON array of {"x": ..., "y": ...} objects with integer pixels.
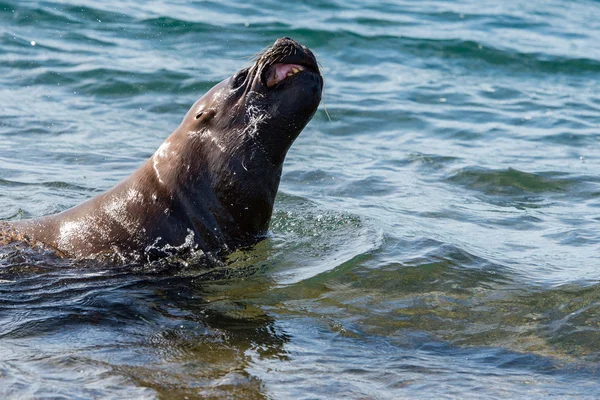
[{"x": 212, "y": 184}]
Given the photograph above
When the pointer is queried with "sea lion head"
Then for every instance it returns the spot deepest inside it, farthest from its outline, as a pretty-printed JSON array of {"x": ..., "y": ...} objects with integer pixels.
[{"x": 263, "y": 107}]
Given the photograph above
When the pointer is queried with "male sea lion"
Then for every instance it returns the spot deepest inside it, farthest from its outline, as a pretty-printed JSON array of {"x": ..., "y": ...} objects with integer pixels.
[{"x": 211, "y": 185}]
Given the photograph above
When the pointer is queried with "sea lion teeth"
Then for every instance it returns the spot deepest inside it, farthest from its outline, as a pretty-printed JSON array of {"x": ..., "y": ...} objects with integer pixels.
[
  {"x": 289, "y": 74},
  {"x": 295, "y": 70}
]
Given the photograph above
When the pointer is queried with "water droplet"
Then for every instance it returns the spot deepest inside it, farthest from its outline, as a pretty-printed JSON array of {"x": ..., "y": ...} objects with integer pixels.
[{"x": 32, "y": 42}]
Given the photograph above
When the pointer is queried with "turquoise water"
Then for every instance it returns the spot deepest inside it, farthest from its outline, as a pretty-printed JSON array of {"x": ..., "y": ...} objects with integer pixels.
[{"x": 435, "y": 237}]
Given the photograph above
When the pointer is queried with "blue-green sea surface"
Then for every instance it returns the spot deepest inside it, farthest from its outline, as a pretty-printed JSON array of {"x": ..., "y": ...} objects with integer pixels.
[{"x": 436, "y": 237}]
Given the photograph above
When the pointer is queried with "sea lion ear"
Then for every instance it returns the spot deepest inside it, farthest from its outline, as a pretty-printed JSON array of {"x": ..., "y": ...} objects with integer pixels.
[{"x": 204, "y": 115}]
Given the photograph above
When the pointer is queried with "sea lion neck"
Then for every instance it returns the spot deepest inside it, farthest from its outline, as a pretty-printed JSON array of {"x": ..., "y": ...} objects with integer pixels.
[{"x": 202, "y": 167}]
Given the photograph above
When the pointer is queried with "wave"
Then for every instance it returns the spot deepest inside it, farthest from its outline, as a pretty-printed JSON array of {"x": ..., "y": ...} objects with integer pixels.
[{"x": 508, "y": 181}]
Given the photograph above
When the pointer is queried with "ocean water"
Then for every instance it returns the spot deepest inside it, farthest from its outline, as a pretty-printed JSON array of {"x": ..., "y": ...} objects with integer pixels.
[{"x": 435, "y": 237}]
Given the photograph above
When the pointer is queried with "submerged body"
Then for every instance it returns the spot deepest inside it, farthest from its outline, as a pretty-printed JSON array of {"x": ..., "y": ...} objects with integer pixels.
[{"x": 212, "y": 184}]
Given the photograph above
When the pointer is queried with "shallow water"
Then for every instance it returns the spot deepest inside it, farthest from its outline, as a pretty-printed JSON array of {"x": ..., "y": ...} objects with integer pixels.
[{"x": 437, "y": 237}]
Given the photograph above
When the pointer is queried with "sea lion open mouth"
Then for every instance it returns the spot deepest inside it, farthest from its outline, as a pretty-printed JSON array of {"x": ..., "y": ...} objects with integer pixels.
[
  {"x": 212, "y": 184},
  {"x": 278, "y": 72},
  {"x": 284, "y": 60}
]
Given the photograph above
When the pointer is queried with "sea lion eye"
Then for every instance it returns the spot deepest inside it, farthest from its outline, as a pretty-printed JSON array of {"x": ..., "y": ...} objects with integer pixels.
[{"x": 239, "y": 78}]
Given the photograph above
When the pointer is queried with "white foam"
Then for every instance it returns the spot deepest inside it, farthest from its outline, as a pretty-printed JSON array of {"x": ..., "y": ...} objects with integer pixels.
[{"x": 188, "y": 244}]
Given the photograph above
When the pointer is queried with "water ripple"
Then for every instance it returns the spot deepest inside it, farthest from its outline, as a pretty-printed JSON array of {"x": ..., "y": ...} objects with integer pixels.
[{"x": 440, "y": 219}]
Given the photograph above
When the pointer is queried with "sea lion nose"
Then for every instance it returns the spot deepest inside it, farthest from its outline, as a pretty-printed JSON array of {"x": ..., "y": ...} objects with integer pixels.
[
  {"x": 285, "y": 40},
  {"x": 289, "y": 43}
]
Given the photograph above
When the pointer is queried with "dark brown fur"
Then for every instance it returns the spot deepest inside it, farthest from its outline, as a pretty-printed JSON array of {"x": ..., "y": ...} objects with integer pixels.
[{"x": 210, "y": 186}]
